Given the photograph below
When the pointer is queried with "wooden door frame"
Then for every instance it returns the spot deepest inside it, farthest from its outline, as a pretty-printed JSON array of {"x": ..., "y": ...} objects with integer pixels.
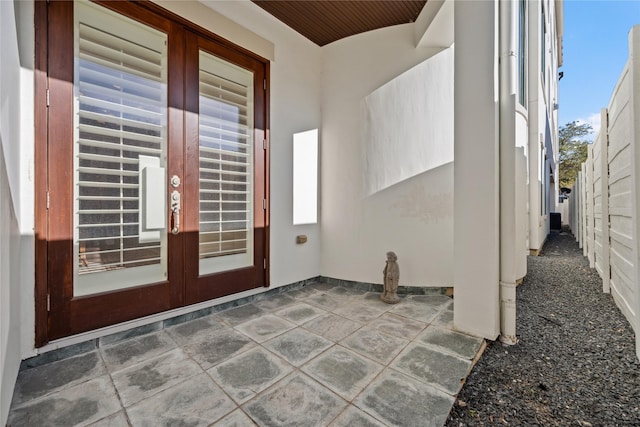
[
  {"x": 42, "y": 202},
  {"x": 40, "y": 178},
  {"x": 205, "y": 287}
]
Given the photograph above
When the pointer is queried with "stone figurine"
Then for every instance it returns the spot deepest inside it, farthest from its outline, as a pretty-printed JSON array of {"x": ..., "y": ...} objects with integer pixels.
[{"x": 391, "y": 275}]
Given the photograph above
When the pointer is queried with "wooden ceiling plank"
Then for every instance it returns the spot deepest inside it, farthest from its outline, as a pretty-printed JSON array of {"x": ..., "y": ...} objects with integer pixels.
[{"x": 325, "y": 21}]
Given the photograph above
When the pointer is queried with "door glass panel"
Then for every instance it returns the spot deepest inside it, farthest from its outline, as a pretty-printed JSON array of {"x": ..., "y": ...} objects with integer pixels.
[
  {"x": 226, "y": 165},
  {"x": 119, "y": 151}
]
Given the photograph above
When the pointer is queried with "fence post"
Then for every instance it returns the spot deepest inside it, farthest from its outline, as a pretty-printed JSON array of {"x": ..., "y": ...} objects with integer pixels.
[
  {"x": 585, "y": 218},
  {"x": 573, "y": 206},
  {"x": 583, "y": 208},
  {"x": 576, "y": 205},
  {"x": 604, "y": 183},
  {"x": 578, "y": 185},
  {"x": 590, "y": 208}
]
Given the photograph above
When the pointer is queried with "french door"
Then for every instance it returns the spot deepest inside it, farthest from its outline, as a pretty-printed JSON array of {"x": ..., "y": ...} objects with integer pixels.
[{"x": 156, "y": 166}]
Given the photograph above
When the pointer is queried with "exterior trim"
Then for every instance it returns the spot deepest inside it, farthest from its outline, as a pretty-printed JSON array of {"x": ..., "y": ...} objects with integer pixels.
[{"x": 40, "y": 158}]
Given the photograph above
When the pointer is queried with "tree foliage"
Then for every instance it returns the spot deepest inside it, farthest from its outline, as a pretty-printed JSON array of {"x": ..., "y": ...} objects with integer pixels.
[{"x": 572, "y": 151}]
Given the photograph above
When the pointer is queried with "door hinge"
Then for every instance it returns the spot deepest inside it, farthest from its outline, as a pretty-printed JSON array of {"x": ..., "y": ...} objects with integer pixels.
[
  {"x": 48, "y": 302},
  {"x": 48, "y": 200},
  {"x": 264, "y": 204},
  {"x": 264, "y": 144},
  {"x": 265, "y": 263},
  {"x": 264, "y": 84},
  {"x": 48, "y": 98}
]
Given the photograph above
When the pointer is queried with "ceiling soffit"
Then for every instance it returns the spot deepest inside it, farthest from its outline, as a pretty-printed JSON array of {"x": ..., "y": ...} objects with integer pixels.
[{"x": 325, "y": 21}]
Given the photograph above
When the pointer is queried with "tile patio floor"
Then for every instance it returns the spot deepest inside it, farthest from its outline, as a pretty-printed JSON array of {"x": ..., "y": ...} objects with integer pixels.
[{"x": 322, "y": 355}]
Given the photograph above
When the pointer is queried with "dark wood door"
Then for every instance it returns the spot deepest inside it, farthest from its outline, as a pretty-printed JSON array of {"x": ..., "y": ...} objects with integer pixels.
[
  {"x": 225, "y": 185},
  {"x": 152, "y": 203}
]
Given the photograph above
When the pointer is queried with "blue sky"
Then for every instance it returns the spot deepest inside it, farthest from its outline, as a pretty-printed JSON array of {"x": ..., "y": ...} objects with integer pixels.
[{"x": 596, "y": 47}]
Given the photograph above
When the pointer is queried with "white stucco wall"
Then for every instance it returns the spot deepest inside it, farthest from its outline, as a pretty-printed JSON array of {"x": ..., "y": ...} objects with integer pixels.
[
  {"x": 414, "y": 217},
  {"x": 542, "y": 95},
  {"x": 537, "y": 117},
  {"x": 16, "y": 195},
  {"x": 522, "y": 194},
  {"x": 9, "y": 292},
  {"x": 477, "y": 170},
  {"x": 407, "y": 123}
]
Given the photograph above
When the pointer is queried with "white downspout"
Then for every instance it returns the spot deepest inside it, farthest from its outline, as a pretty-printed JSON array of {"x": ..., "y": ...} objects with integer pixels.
[{"x": 508, "y": 83}]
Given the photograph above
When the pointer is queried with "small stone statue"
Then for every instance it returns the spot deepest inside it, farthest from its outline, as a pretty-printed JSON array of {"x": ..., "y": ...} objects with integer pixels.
[{"x": 391, "y": 275}]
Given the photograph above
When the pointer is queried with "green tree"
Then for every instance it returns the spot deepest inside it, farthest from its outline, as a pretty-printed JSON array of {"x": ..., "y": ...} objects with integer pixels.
[{"x": 572, "y": 151}]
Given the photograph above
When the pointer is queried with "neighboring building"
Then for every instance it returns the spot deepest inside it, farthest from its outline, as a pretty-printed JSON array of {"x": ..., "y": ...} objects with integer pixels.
[{"x": 101, "y": 105}]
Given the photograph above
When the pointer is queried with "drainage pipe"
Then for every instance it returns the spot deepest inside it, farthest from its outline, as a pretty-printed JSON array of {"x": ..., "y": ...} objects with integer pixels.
[{"x": 507, "y": 122}]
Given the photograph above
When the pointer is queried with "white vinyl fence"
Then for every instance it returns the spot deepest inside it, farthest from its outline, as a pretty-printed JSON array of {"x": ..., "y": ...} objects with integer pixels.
[{"x": 604, "y": 205}]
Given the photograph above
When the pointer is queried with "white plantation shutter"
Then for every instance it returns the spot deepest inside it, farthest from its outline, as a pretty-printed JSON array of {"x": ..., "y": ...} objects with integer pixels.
[
  {"x": 226, "y": 165},
  {"x": 120, "y": 84}
]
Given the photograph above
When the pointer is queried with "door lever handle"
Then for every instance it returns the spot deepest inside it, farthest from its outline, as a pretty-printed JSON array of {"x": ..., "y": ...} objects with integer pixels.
[{"x": 175, "y": 212}]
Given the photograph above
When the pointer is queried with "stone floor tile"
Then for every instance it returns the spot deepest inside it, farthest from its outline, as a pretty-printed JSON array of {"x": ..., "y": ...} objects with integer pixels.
[
  {"x": 235, "y": 419},
  {"x": 354, "y": 417},
  {"x": 130, "y": 333},
  {"x": 372, "y": 299},
  {"x": 295, "y": 401},
  {"x": 265, "y": 327},
  {"x": 343, "y": 371},
  {"x": 321, "y": 286},
  {"x": 300, "y": 313},
  {"x": 147, "y": 378},
  {"x": 360, "y": 312},
  {"x": 451, "y": 342},
  {"x": 303, "y": 293},
  {"x": 397, "y": 326},
  {"x": 344, "y": 341},
  {"x": 298, "y": 346},
  {"x": 445, "y": 318},
  {"x": 275, "y": 302},
  {"x": 133, "y": 350},
  {"x": 79, "y": 405},
  {"x": 325, "y": 300},
  {"x": 438, "y": 301},
  {"x": 398, "y": 400},
  {"x": 444, "y": 371},
  {"x": 119, "y": 419},
  {"x": 241, "y": 314},
  {"x": 218, "y": 347},
  {"x": 41, "y": 380},
  {"x": 195, "y": 402},
  {"x": 372, "y": 296},
  {"x": 374, "y": 345},
  {"x": 332, "y": 327},
  {"x": 417, "y": 311},
  {"x": 195, "y": 330},
  {"x": 249, "y": 373},
  {"x": 346, "y": 292}
]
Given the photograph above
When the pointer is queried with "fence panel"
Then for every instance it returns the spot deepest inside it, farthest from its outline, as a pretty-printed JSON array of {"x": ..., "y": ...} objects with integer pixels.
[
  {"x": 590, "y": 241},
  {"x": 601, "y": 201},
  {"x": 596, "y": 151},
  {"x": 605, "y": 199},
  {"x": 620, "y": 201}
]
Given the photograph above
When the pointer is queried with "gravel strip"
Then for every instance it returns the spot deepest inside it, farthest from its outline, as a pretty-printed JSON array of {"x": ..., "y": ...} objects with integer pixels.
[{"x": 575, "y": 363}]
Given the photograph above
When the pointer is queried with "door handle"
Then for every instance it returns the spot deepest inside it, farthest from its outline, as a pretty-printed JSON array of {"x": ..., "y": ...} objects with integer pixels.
[{"x": 175, "y": 212}]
